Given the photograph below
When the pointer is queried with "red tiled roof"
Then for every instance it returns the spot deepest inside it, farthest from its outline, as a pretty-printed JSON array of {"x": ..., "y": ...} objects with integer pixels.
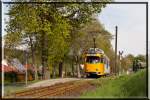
[
  {"x": 14, "y": 69},
  {"x": 8, "y": 69}
]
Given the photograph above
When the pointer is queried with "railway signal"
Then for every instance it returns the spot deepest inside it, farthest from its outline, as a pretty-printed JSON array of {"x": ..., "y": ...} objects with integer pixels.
[{"x": 120, "y": 58}]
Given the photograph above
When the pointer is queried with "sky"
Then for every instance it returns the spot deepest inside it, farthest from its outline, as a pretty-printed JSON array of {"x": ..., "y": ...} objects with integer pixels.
[{"x": 131, "y": 22}]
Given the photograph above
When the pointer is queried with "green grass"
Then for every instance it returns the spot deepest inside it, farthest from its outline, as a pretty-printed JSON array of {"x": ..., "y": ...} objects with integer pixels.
[
  {"x": 133, "y": 85},
  {"x": 11, "y": 89}
]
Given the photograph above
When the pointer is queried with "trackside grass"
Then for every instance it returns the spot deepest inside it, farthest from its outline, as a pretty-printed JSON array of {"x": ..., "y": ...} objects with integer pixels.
[
  {"x": 133, "y": 85},
  {"x": 15, "y": 87}
]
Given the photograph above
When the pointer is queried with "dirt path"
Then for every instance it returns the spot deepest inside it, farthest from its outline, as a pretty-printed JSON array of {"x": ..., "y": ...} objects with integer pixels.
[{"x": 51, "y": 82}]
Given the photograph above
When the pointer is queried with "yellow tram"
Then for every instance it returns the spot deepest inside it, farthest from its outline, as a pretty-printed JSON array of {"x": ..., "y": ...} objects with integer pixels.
[{"x": 96, "y": 62}]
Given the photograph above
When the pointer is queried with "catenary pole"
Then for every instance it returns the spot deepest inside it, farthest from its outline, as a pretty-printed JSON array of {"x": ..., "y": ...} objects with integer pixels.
[{"x": 116, "y": 30}]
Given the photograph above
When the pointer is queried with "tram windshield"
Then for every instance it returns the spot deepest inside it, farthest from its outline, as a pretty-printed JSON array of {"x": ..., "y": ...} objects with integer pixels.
[{"x": 94, "y": 59}]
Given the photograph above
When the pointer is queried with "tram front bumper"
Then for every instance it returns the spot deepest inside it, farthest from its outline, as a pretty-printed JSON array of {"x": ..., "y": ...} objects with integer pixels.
[{"x": 93, "y": 73}]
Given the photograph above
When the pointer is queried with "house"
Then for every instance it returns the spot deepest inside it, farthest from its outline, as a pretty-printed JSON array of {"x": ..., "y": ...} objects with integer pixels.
[
  {"x": 14, "y": 71},
  {"x": 9, "y": 71}
]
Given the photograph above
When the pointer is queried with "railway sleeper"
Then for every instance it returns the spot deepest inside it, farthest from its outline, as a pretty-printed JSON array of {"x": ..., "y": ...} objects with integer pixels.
[
  {"x": 63, "y": 90},
  {"x": 43, "y": 91}
]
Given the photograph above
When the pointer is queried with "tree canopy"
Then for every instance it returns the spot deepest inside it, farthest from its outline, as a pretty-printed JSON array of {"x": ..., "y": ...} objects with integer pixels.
[{"x": 51, "y": 31}]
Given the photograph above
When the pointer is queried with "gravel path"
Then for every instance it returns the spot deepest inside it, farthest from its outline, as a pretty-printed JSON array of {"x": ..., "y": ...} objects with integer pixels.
[{"x": 51, "y": 82}]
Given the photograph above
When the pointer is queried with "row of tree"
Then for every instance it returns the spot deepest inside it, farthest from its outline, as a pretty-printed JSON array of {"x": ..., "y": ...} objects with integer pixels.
[
  {"x": 52, "y": 32},
  {"x": 129, "y": 59},
  {"x": 55, "y": 35}
]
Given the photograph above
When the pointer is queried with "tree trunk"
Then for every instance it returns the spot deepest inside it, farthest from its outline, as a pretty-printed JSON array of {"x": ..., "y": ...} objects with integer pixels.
[
  {"x": 54, "y": 71},
  {"x": 43, "y": 71},
  {"x": 33, "y": 59},
  {"x": 78, "y": 71},
  {"x": 44, "y": 47},
  {"x": 36, "y": 73},
  {"x": 42, "y": 55},
  {"x": 65, "y": 71},
  {"x": 78, "y": 67},
  {"x": 72, "y": 68},
  {"x": 61, "y": 69},
  {"x": 33, "y": 64}
]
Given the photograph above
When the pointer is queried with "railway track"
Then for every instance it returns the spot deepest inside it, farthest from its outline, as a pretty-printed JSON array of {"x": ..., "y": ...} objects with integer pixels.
[{"x": 74, "y": 88}]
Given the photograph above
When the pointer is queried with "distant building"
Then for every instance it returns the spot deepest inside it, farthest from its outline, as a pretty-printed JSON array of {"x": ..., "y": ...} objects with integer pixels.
[{"x": 15, "y": 71}]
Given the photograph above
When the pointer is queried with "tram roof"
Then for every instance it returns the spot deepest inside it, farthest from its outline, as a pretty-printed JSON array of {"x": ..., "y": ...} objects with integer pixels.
[{"x": 95, "y": 51}]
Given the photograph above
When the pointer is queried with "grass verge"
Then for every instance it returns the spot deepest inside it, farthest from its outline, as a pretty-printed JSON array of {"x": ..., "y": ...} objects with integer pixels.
[{"x": 133, "y": 85}]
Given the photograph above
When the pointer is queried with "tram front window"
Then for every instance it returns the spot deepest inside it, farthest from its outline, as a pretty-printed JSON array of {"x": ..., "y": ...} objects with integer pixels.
[{"x": 93, "y": 59}]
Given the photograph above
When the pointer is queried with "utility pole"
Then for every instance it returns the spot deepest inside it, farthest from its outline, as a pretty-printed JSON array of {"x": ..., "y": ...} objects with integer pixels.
[
  {"x": 26, "y": 69},
  {"x": 115, "y": 69}
]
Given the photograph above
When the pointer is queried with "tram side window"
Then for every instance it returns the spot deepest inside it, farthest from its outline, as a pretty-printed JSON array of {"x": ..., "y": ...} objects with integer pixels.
[
  {"x": 107, "y": 64},
  {"x": 102, "y": 60}
]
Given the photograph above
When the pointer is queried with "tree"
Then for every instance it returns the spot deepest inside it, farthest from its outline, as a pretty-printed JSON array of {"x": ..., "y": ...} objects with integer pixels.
[
  {"x": 127, "y": 61},
  {"x": 142, "y": 58},
  {"x": 49, "y": 30},
  {"x": 22, "y": 28},
  {"x": 40, "y": 24}
]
